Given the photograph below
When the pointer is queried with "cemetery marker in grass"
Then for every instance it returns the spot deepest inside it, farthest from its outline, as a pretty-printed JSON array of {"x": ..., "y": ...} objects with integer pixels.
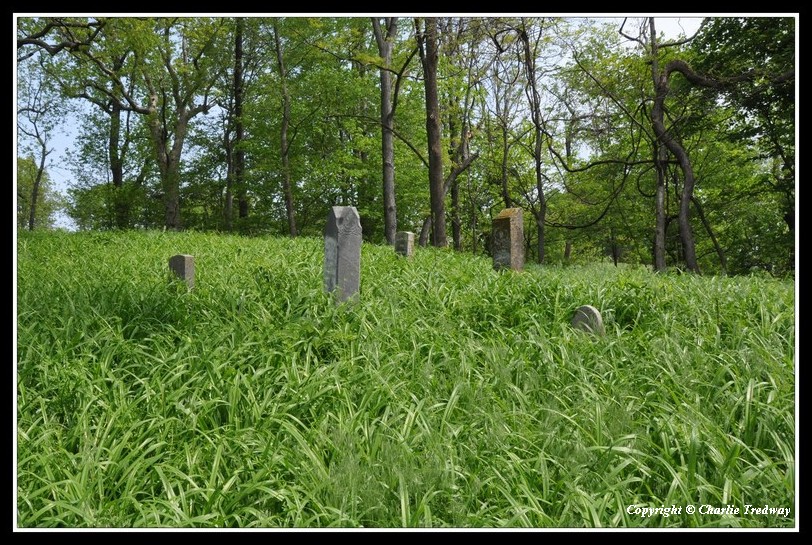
[
  {"x": 342, "y": 252},
  {"x": 507, "y": 243},
  {"x": 588, "y": 318},
  {"x": 183, "y": 267},
  {"x": 404, "y": 243}
]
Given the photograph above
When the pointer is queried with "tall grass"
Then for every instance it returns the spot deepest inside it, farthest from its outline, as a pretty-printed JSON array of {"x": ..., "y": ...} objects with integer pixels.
[{"x": 448, "y": 395}]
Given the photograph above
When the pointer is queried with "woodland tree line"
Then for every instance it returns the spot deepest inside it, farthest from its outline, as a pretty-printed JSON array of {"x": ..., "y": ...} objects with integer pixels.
[{"x": 615, "y": 141}]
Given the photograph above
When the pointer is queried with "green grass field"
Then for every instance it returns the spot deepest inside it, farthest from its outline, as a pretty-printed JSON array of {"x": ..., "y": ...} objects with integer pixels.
[{"x": 449, "y": 395}]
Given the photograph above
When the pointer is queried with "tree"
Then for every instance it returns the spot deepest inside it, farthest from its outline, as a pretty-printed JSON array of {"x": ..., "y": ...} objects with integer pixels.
[
  {"x": 458, "y": 44},
  {"x": 427, "y": 41},
  {"x": 661, "y": 78},
  {"x": 94, "y": 199},
  {"x": 764, "y": 106},
  {"x": 284, "y": 151},
  {"x": 502, "y": 109},
  {"x": 603, "y": 114},
  {"x": 530, "y": 52},
  {"x": 235, "y": 154},
  {"x": 389, "y": 101},
  {"x": 175, "y": 62},
  {"x": 387, "y": 117},
  {"x": 38, "y": 112},
  {"x": 331, "y": 147},
  {"x": 48, "y": 202},
  {"x": 36, "y": 34},
  {"x": 68, "y": 41},
  {"x": 673, "y": 152}
]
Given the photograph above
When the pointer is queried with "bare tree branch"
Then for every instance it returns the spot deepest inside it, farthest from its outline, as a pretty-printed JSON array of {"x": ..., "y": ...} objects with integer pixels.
[
  {"x": 609, "y": 94},
  {"x": 36, "y": 40},
  {"x": 457, "y": 170},
  {"x": 686, "y": 40},
  {"x": 395, "y": 132},
  {"x": 620, "y": 31},
  {"x": 399, "y": 78}
]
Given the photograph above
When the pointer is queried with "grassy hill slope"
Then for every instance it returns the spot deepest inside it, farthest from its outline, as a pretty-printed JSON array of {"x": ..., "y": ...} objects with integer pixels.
[{"x": 448, "y": 395}]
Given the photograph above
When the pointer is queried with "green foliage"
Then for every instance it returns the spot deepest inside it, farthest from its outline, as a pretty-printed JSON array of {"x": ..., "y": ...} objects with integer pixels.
[
  {"x": 763, "y": 106},
  {"x": 93, "y": 201},
  {"x": 98, "y": 207},
  {"x": 738, "y": 176},
  {"x": 49, "y": 201},
  {"x": 449, "y": 395},
  {"x": 596, "y": 93}
]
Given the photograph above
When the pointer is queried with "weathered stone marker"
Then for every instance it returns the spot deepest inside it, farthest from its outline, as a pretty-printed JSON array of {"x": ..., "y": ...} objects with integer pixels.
[
  {"x": 183, "y": 266},
  {"x": 342, "y": 252},
  {"x": 507, "y": 240},
  {"x": 404, "y": 243},
  {"x": 588, "y": 318}
]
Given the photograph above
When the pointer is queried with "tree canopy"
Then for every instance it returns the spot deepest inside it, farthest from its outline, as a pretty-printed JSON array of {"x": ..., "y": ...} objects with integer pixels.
[{"x": 618, "y": 142}]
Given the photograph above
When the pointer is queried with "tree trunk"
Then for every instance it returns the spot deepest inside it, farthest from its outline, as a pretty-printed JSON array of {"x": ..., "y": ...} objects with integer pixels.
[
  {"x": 228, "y": 205},
  {"x": 504, "y": 168},
  {"x": 502, "y": 112},
  {"x": 172, "y": 178},
  {"x": 171, "y": 200},
  {"x": 116, "y": 166},
  {"x": 429, "y": 56},
  {"x": 454, "y": 141},
  {"x": 120, "y": 204},
  {"x": 535, "y": 114},
  {"x": 115, "y": 153},
  {"x": 423, "y": 240},
  {"x": 789, "y": 218},
  {"x": 286, "y": 185},
  {"x": 657, "y": 119},
  {"x": 705, "y": 223},
  {"x": 239, "y": 131},
  {"x": 660, "y": 156},
  {"x": 567, "y": 251},
  {"x": 456, "y": 231},
  {"x": 473, "y": 221},
  {"x": 169, "y": 163},
  {"x": 365, "y": 182},
  {"x": 387, "y": 126},
  {"x": 32, "y": 216},
  {"x": 540, "y": 215},
  {"x": 614, "y": 247}
]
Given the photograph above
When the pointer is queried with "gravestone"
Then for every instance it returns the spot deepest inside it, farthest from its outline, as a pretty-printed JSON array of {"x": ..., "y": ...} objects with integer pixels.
[
  {"x": 507, "y": 240},
  {"x": 588, "y": 318},
  {"x": 404, "y": 243},
  {"x": 342, "y": 252},
  {"x": 183, "y": 266}
]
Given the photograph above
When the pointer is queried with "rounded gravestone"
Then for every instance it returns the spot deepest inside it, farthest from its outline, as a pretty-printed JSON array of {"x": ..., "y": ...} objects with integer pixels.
[{"x": 588, "y": 318}]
